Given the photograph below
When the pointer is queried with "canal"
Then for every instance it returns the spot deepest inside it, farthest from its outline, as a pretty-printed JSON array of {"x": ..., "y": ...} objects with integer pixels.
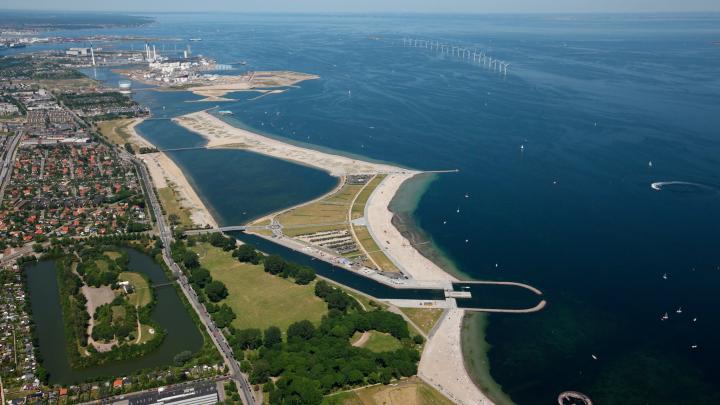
[
  {"x": 168, "y": 312},
  {"x": 483, "y": 295}
]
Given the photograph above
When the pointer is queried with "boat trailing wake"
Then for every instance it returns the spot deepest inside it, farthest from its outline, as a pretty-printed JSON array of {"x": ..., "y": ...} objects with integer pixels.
[{"x": 659, "y": 185}]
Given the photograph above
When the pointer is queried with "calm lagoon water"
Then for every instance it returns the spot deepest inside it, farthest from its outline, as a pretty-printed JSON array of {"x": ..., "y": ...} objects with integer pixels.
[{"x": 592, "y": 99}]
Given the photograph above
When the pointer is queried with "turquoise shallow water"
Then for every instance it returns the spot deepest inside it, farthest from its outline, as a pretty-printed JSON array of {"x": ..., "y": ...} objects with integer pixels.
[{"x": 593, "y": 99}]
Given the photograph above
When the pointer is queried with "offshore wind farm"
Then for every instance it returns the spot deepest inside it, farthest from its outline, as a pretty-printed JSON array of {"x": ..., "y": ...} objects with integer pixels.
[{"x": 474, "y": 55}]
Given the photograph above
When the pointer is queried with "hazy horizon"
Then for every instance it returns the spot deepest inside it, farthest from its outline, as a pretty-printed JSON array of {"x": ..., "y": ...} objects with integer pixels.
[{"x": 372, "y": 6}]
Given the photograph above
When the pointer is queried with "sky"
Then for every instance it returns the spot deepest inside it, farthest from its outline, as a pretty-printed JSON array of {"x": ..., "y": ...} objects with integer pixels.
[{"x": 370, "y": 6}]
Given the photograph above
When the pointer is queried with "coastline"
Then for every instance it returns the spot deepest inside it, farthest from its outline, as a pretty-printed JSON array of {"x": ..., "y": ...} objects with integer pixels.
[
  {"x": 166, "y": 173},
  {"x": 442, "y": 364}
]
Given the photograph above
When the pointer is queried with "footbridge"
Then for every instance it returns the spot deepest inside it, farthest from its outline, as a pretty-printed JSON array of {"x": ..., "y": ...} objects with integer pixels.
[{"x": 229, "y": 229}]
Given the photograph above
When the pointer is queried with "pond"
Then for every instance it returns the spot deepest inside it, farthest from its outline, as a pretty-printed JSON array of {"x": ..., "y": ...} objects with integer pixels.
[{"x": 169, "y": 313}]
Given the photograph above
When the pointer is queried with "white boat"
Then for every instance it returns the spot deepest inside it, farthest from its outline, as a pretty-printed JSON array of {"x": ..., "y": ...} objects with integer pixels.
[
  {"x": 195, "y": 39},
  {"x": 665, "y": 317},
  {"x": 225, "y": 112},
  {"x": 679, "y": 311},
  {"x": 665, "y": 276}
]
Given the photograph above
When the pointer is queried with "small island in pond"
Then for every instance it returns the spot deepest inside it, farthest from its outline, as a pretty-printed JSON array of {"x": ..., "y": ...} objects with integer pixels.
[{"x": 106, "y": 307}]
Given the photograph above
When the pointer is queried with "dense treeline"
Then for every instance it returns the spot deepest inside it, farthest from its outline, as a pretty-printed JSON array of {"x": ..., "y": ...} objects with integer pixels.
[
  {"x": 314, "y": 361},
  {"x": 311, "y": 361}
]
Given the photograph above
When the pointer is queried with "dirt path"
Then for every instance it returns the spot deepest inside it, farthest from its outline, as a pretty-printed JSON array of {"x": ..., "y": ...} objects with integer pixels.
[{"x": 363, "y": 339}]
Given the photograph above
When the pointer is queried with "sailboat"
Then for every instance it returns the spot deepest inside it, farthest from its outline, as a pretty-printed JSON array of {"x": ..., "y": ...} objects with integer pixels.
[{"x": 665, "y": 317}]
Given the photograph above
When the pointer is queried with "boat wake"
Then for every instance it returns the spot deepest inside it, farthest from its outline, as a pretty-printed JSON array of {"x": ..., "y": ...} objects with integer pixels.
[{"x": 659, "y": 185}]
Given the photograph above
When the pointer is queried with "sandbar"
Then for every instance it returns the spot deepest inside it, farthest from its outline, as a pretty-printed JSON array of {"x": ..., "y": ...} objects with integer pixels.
[{"x": 220, "y": 134}]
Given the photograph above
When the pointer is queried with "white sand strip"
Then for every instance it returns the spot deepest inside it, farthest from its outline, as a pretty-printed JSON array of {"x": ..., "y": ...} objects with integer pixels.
[
  {"x": 442, "y": 364},
  {"x": 219, "y": 134}
]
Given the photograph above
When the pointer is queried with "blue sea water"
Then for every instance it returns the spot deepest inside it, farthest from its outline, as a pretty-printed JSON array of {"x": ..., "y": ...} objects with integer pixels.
[{"x": 602, "y": 105}]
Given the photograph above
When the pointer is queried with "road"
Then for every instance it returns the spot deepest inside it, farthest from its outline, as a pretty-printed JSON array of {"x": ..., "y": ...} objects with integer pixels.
[
  {"x": 216, "y": 335},
  {"x": 6, "y": 159}
]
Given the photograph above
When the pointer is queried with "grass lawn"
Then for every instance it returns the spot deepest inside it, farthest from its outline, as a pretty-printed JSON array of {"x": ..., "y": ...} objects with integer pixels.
[
  {"x": 102, "y": 265},
  {"x": 411, "y": 391},
  {"x": 424, "y": 318},
  {"x": 358, "y": 209},
  {"x": 146, "y": 335},
  {"x": 373, "y": 249},
  {"x": 260, "y": 299},
  {"x": 112, "y": 254},
  {"x": 171, "y": 202},
  {"x": 331, "y": 210},
  {"x": 118, "y": 312},
  {"x": 117, "y": 132},
  {"x": 381, "y": 342},
  {"x": 142, "y": 294}
]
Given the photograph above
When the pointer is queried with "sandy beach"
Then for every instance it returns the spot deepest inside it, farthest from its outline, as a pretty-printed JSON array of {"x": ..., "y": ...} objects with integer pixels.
[
  {"x": 135, "y": 137},
  {"x": 398, "y": 248},
  {"x": 442, "y": 363},
  {"x": 220, "y": 134}
]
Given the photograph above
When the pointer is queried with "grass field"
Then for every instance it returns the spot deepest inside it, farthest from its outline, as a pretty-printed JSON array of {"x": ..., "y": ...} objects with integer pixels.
[
  {"x": 146, "y": 335},
  {"x": 424, "y": 318},
  {"x": 118, "y": 312},
  {"x": 170, "y": 201},
  {"x": 411, "y": 391},
  {"x": 260, "y": 299},
  {"x": 116, "y": 131},
  {"x": 142, "y": 295},
  {"x": 364, "y": 238},
  {"x": 111, "y": 254},
  {"x": 358, "y": 209},
  {"x": 327, "y": 214},
  {"x": 381, "y": 342}
]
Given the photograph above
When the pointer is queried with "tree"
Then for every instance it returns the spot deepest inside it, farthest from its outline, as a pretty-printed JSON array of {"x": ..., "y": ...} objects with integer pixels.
[
  {"x": 247, "y": 254},
  {"x": 305, "y": 275},
  {"x": 182, "y": 357},
  {"x": 274, "y": 264},
  {"x": 322, "y": 289},
  {"x": 200, "y": 276},
  {"x": 304, "y": 330},
  {"x": 248, "y": 338},
  {"x": 223, "y": 316},
  {"x": 273, "y": 336},
  {"x": 190, "y": 259},
  {"x": 216, "y": 291}
]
